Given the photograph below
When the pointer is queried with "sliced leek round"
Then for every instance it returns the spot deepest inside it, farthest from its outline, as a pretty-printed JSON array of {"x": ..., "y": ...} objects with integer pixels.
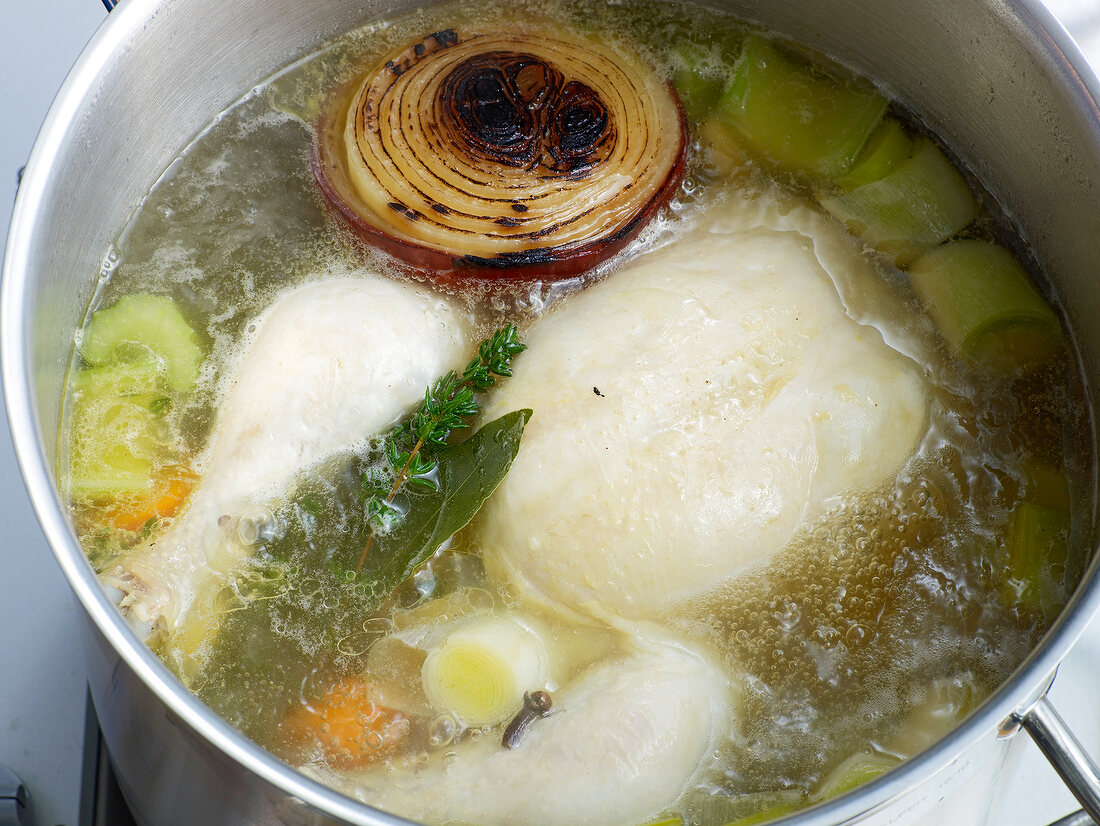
[
  {"x": 481, "y": 671},
  {"x": 918, "y": 203},
  {"x": 854, "y": 771},
  {"x": 142, "y": 326},
  {"x": 497, "y": 155}
]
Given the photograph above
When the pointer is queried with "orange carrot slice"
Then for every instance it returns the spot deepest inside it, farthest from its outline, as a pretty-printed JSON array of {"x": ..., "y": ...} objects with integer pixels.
[
  {"x": 350, "y": 729},
  {"x": 166, "y": 496}
]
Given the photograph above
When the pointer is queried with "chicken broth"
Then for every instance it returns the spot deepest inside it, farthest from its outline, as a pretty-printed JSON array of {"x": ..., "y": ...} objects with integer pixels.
[{"x": 808, "y": 520}]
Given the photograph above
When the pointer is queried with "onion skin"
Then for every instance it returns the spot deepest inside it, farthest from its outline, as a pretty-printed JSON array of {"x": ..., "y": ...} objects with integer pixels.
[{"x": 508, "y": 166}]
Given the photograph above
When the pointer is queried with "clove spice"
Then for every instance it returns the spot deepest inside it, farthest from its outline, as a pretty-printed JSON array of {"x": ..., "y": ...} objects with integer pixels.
[{"x": 536, "y": 704}]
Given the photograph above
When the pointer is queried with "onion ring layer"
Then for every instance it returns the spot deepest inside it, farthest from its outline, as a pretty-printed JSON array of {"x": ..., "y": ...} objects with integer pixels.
[{"x": 503, "y": 155}]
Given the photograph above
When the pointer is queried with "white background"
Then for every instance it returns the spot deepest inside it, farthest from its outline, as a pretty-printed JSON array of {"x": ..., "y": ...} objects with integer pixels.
[{"x": 42, "y": 689}]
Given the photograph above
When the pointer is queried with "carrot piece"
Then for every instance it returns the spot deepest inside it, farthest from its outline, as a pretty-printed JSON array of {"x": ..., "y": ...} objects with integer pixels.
[
  {"x": 167, "y": 494},
  {"x": 346, "y": 725}
]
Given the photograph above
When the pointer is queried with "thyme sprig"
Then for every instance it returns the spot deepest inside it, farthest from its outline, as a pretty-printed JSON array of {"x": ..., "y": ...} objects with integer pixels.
[{"x": 448, "y": 406}]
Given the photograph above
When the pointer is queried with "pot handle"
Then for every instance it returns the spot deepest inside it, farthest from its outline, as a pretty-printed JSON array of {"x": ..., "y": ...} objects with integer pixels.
[
  {"x": 1067, "y": 756},
  {"x": 1078, "y": 818}
]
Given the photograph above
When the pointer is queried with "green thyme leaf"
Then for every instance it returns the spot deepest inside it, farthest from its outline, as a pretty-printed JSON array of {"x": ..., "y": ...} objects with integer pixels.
[{"x": 423, "y": 482}]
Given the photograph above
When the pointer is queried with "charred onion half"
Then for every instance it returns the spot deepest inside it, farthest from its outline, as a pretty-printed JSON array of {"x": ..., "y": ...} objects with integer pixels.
[{"x": 522, "y": 156}]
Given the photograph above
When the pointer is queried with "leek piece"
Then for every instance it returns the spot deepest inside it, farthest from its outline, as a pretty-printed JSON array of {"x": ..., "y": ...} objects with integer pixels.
[
  {"x": 795, "y": 115},
  {"x": 1037, "y": 540},
  {"x": 723, "y": 156},
  {"x": 136, "y": 380},
  {"x": 483, "y": 668},
  {"x": 116, "y": 432},
  {"x": 696, "y": 82},
  {"x": 763, "y": 807},
  {"x": 139, "y": 326},
  {"x": 984, "y": 305},
  {"x": 854, "y": 771},
  {"x": 941, "y": 706},
  {"x": 764, "y": 815},
  {"x": 1046, "y": 485},
  {"x": 920, "y": 202},
  {"x": 888, "y": 146}
]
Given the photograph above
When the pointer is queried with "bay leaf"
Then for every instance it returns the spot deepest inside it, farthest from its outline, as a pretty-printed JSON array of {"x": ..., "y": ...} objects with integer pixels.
[
  {"x": 468, "y": 473},
  {"x": 268, "y": 648}
]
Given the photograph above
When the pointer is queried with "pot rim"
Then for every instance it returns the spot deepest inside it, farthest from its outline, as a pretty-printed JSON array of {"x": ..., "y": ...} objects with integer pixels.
[{"x": 1030, "y": 680}]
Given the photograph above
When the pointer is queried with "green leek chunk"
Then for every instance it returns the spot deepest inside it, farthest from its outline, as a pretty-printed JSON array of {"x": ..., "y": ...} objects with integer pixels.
[
  {"x": 697, "y": 84},
  {"x": 795, "y": 115},
  {"x": 137, "y": 381},
  {"x": 141, "y": 326},
  {"x": 854, "y": 771},
  {"x": 1037, "y": 542},
  {"x": 985, "y": 306},
  {"x": 116, "y": 432},
  {"x": 888, "y": 146},
  {"x": 764, "y": 807},
  {"x": 922, "y": 201},
  {"x": 764, "y": 815},
  {"x": 1046, "y": 485}
]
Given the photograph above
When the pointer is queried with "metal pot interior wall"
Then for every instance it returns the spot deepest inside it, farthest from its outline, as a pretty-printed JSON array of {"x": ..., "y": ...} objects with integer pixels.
[
  {"x": 987, "y": 77},
  {"x": 167, "y": 771}
]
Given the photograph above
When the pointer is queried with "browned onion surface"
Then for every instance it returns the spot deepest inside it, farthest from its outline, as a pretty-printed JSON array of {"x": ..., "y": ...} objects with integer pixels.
[{"x": 524, "y": 156}]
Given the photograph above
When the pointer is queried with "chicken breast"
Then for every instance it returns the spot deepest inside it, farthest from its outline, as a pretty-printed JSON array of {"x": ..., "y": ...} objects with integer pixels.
[
  {"x": 692, "y": 411},
  {"x": 621, "y": 743},
  {"x": 329, "y": 365}
]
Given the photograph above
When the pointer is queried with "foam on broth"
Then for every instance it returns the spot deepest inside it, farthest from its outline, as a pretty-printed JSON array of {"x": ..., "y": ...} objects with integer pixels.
[{"x": 883, "y": 614}]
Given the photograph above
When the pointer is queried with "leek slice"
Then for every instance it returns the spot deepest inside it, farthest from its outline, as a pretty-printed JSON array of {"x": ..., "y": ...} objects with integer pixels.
[
  {"x": 482, "y": 669},
  {"x": 136, "y": 381},
  {"x": 695, "y": 80},
  {"x": 795, "y": 115},
  {"x": 1037, "y": 542},
  {"x": 1046, "y": 485},
  {"x": 984, "y": 305},
  {"x": 854, "y": 771},
  {"x": 920, "y": 202},
  {"x": 141, "y": 326},
  {"x": 888, "y": 146},
  {"x": 766, "y": 815},
  {"x": 116, "y": 432},
  {"x": 723, "y": 156}
]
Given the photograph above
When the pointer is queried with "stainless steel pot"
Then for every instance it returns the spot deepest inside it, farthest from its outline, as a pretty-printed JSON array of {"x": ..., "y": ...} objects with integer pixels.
[{"x": 998, "y": 78}]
